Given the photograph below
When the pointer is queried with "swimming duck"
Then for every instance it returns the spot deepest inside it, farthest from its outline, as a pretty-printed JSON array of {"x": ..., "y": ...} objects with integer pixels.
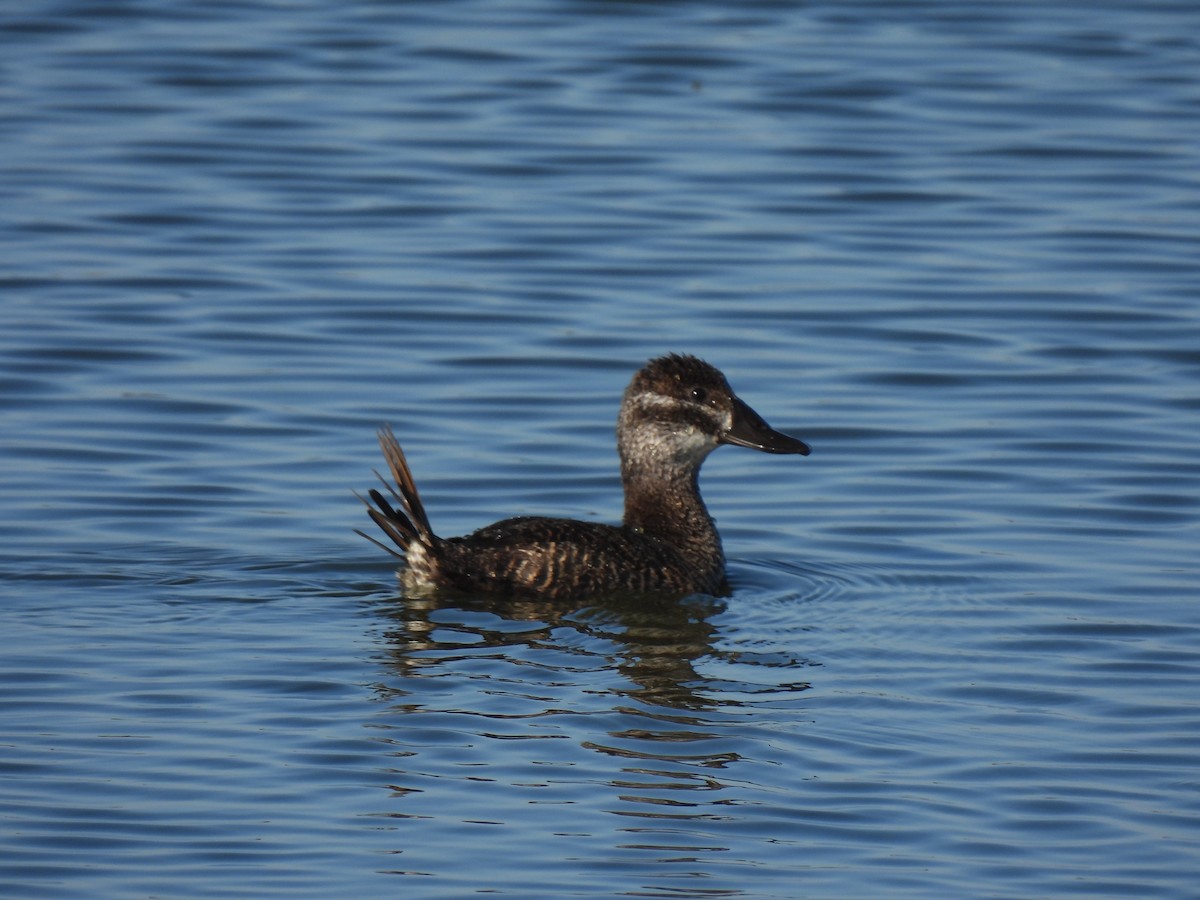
[{"x": 676, "y": 410}]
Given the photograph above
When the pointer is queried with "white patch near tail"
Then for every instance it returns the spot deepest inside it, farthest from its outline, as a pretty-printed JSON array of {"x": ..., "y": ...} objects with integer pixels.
[{"x": 420, "y": 568}]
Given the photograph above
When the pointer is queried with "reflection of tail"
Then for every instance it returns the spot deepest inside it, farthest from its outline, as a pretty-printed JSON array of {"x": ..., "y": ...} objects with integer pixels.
[{"x": 407, "y": 525}]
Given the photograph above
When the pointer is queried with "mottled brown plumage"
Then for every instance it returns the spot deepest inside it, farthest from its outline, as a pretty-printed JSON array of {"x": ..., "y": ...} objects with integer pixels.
[{"x": 676, "y": 410}]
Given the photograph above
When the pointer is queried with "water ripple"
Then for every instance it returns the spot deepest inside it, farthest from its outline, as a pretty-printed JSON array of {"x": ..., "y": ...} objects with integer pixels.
[{"x": 952, "y": 246}]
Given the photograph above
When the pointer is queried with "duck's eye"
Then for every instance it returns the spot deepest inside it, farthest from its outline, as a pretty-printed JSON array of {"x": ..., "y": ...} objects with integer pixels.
[{"x": 699, "y": 394}]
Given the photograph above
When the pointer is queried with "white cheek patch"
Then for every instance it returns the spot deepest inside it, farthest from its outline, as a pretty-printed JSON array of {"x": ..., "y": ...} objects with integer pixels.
[
  {"x": 693, "y": 444},
  {"x": 683, "y": 441}
]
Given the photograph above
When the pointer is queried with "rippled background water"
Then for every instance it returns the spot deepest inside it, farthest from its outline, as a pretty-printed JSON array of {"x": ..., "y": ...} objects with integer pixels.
[{"x": 954, "y": 246}]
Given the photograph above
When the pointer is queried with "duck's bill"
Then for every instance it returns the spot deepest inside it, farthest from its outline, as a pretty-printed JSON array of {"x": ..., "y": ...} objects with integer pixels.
[{"x": 750, "y": 430}]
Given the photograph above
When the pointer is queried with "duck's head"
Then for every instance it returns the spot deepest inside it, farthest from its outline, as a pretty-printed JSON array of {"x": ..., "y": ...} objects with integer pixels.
[{"x": 678, "y": 409}]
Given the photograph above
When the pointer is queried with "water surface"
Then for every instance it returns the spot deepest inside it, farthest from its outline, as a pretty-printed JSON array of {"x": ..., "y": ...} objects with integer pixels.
[{"x": 954, "y": 248}]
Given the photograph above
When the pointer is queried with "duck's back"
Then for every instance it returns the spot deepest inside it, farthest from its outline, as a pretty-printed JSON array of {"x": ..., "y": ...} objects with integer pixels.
[{"x": 565, "y": 558}]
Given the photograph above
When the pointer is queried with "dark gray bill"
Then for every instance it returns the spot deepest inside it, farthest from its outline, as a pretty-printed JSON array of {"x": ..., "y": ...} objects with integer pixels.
[{"x": 750, "y": 430}]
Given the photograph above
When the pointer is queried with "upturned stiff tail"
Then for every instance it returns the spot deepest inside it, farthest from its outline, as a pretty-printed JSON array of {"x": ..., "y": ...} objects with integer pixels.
[{"x": 407, "y": 525}]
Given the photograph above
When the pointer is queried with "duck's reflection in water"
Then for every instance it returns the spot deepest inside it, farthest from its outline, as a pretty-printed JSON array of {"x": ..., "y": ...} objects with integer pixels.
[
  {"x": 653, "y": 644},
  {"x": 527, "y": 712},
  {"x": 657, "y": 665}
]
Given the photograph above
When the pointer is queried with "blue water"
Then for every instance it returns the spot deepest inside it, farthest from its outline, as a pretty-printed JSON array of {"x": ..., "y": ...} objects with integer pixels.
[{"x": 956, "y": 247}]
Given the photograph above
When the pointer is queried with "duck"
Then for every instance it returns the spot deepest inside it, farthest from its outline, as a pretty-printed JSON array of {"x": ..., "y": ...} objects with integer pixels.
[{"x": 676, "y": 410}]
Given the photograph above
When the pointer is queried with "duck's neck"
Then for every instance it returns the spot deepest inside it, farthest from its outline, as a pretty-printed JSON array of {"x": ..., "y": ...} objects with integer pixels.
[{"x": 664, "y": 502}]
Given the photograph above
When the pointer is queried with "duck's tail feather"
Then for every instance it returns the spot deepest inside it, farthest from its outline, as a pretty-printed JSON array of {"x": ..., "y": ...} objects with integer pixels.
[{"x": 409, "y": 523}]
